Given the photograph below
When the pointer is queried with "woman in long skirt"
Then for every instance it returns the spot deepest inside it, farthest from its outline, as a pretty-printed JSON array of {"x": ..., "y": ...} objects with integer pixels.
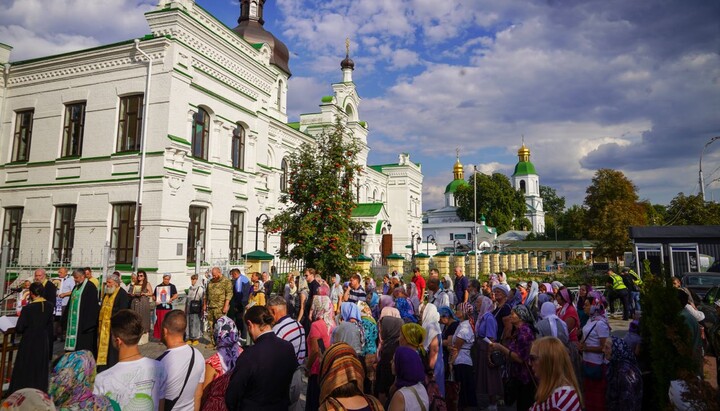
[
  {"x": 196, "y": 293},
  {"x": 140, "y": 301}
]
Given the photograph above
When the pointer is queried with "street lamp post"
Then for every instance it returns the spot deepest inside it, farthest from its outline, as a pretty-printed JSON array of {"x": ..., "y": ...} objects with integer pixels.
[
  {"x": 702, "y": 180},
  {"x": 257, "y": 227},
  {"x": 427, "y": 243}
]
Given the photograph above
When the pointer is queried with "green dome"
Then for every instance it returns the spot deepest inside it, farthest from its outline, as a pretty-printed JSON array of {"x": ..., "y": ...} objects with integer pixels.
[
  {"x": 453, "y": 186},
  {"x": 524, "y": 168}
]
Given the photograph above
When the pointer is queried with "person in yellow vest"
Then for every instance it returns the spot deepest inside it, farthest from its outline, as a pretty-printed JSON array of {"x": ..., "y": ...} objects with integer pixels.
[
  {"x": 615, "y": 283},
  {"x": 637, "y": 282},
  {"x": 116, "y": 299}
]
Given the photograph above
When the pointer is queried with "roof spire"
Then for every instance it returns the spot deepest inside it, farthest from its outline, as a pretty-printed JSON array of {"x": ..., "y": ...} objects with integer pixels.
[
  {"x": 458, "y": 172},
  {"x": 347, "y": 65}
]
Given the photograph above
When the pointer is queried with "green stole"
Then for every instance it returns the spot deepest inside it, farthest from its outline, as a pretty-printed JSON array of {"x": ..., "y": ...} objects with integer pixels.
[{"x": 74, "y": 317}]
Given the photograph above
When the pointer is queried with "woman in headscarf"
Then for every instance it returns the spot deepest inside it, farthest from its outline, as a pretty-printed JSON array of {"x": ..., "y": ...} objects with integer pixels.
[
  {"x": 371, "y": 344},
  {"x": 567, "y": 313},
  {"x": 545, "y": 294},
  {"x": 624, "y": 378},
  {"x": 413, "y": 335},
  {"x": 412, "y": 293},
  {"x": 583, "y": 292},
  {"x": 196, "y": 292},
  {"x": 522, "y": 288},
  {"x": 72, "y": 381},
  {"x": 502, "y": 310},
  {"x": 336, "y": 292},
  {"x": 350, "y": 330},
  {"x": 390, "y": 329},
  {"x": 489, "y": 387},
  {"x": 461, "y": 355},
  {"x": 556, "y": 286},
  {"x": 449, "y": 286},
  {"x": 514, "y": 298},
  {"x": 449, "y": 323},
  {"x": 410, "y": 392},
  {"x": 517, "y": 350},
  {"x": 389, "y": 312},
  {"x": 407, "y": 313},
  {"x": 323, "y": 322},
  {"x": 28, "y": 399},
  {"x": 341, "y": 381},
  {"x": 550, "y": 325},
  {"x": 228, "y": 347},
  {"x": 433, "y": 344},
  {"x": 595, "y": 333},
  {"x": 531, "y": 302}
]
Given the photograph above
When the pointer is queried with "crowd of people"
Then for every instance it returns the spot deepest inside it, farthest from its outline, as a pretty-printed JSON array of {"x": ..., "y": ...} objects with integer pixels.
[{"x": 424, "y": 344}]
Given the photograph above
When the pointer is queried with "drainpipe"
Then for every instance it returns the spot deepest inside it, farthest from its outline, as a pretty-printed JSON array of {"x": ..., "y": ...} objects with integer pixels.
[
  {"x": 6, "y": 79},
  {"x": 143, "y": 136}
]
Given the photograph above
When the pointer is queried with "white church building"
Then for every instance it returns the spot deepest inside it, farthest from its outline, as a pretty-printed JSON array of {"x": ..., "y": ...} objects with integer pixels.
[{"x": 216, "y": 138}]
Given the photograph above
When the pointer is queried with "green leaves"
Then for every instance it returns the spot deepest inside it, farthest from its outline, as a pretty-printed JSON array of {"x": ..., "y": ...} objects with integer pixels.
[{"x": 503, "y": 206}]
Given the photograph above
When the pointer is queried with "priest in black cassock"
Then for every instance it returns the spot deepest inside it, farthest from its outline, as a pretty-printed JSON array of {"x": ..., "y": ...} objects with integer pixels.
[
  {"x": 31, "y": 368},
  {"x": 83, "y": 310},
  {"x": 49, "y": 293},
  {"x": 116, "y": 299}
]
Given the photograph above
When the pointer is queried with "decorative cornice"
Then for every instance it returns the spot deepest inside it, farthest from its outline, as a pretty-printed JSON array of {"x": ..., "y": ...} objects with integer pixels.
[{"x": 225, "y": 79}]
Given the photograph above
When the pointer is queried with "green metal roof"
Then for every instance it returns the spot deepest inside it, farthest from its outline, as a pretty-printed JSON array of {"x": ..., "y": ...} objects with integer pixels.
[
  {"x": 453, "y": 186},
  {"x": 295, "y": 125},
  {"x": 524, "y": 168},
  {"x": 379, "y": 167},
  {"x": 367, "y": 210},
  {"x": 548, "y": 245},
  {"x": 421, "y": 255},
  {"x": 394, "y": 256},
  {"x": 258, "y": 255},
  {"x": 362, "y": 257}
]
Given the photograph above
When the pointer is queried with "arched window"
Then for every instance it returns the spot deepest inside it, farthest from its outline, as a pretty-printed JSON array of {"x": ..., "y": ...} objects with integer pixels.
[
  {"x": 284, "y": 168},
  {"x": 200, "y": 134},
  {"x": 238, "y": 148},
  {"x": 350, "y": 113},
  {"x": 374, "y": 195},
  {"x": 522, "y": 186}
]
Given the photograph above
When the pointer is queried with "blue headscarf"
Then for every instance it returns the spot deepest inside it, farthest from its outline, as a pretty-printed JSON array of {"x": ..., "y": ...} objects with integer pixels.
[
  {"x": 350, "y": 310},
  {"x": 445, "y": 311},
  {"x": 406, "y": 309}
]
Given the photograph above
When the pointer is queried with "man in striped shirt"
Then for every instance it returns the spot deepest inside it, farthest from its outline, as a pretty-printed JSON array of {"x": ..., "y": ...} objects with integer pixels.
[
  {"x": 355, "y": 292},
  {"x": 286, "y": 327}
]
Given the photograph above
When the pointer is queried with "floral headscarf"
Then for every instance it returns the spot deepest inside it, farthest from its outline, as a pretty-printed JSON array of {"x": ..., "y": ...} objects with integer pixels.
[
  {"x": 414, "y": 334},
  {"x": 71, "y": 384},
  {"x": 621, "y": 351},
  {"x": 322, "y": 309},
  {"x": 29, "y": 399},
  {"x": 407, "y": 313},
  {"x": 597, "y": 305},
  {"x": 227, "y": 343},
  {"x": 524, "y": 314},
  {"x": 468, "y": 310}
]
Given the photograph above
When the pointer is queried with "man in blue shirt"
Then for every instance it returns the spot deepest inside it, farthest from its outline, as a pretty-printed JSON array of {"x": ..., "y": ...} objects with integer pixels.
[
  {"x": 241, "y": 294},
  {"x": 461, "y": 286}
]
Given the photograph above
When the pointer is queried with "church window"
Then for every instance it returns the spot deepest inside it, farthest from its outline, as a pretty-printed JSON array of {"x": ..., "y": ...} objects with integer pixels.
[
  {"x": 374, "y": 195},
  {"x": 64, "y": 232},
  {"x": 522, "y": 186},
  {"x": 73, "y": 129},
  {"x": 12, "y": 228},
  {"x": 279, "y": 95},
  {"x": 130, "y": 123},
  {"x": 238, "y": 148},
  {"x": 200, "y": 134},
  {"x": 196, "y": 231},
  {"x": 452, "y": 236},
  {"x": 237, "y": 223},
  {"x": 123, "y": 232},
  {"x": 23, "y": 135},
  {"x": 284, "y": 172}
]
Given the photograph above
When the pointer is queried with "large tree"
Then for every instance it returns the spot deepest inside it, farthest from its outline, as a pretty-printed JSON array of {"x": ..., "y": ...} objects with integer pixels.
[
  {"x": 573, "y": 224},
  {"x": 692, "y": 210},
  {"x": 502, "y": 205},
  {"x": 317, "y": 222},
  {"x": 553, "y": 205},
  {"x": 612, "y": 207}
]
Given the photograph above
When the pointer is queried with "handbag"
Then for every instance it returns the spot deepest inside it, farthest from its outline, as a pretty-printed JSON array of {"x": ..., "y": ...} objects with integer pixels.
[
  {"x": 497, "y": 359},
  {"x": 195, "y": 306}
]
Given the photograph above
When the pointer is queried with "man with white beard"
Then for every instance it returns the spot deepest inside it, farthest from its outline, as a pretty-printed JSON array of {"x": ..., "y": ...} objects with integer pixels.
[{"x": 116, "y": 299}]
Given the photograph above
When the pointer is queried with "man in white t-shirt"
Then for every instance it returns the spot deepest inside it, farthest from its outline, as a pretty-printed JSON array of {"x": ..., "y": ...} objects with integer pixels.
[
  {"x": 177, "y": 361},
  {"x": 135, "y": 382}
]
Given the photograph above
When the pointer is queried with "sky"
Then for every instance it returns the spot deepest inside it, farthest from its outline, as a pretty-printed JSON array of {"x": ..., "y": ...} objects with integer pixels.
[{"x": 627, "y": 85}]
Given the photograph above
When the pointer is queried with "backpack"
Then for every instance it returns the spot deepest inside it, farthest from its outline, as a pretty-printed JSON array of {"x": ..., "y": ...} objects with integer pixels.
[{"x": 437, "y": 401}]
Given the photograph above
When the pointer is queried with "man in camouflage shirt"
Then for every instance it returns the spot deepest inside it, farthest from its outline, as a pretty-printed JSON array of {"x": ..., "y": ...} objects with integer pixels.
[{"x": 217, "y": 302}]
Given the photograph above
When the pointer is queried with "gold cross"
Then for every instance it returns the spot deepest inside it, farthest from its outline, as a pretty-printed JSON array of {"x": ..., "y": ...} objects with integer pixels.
[{"x": 347, "y": 46}]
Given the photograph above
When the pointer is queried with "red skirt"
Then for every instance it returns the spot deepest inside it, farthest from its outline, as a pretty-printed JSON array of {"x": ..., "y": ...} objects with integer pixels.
[{"x": 157, "y": 330}]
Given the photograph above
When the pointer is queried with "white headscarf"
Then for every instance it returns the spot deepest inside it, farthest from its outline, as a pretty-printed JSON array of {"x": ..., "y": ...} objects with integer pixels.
[
  {"x": 532, "y": 294},
  {"x": 547, "y": 312},
  {"x": 431, "y": 324}
]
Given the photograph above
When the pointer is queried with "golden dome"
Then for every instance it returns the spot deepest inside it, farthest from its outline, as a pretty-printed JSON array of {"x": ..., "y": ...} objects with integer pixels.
[
  {"x": 524, "y": 153},
  {"x": 458, "y": 172}
]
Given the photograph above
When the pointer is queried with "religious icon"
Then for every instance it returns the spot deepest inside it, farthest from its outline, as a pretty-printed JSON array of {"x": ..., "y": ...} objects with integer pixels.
[{"x": 163, "y": 294}]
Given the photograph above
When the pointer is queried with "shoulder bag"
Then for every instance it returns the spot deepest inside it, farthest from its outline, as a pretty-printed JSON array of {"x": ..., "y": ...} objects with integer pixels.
[
  {"x": 195, "y": 305},
  {"x": 169, "y": 404}
]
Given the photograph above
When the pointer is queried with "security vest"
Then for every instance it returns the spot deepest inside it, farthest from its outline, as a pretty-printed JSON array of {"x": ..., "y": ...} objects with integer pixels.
[
  {"x": 636, "y": 278},
  {"x": 617, "y": 282}
]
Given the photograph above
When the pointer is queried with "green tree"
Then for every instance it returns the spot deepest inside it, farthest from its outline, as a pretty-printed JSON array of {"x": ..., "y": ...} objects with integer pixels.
[
  {"x": 502, "y": 205},
  {"x": 612, "y": 207},
  {"x": 656, "y": 213},
  {"x": 692, "y": 210},
  {"x": 319, "y": 201},
  {"x": 554, "y": 206},
  {"x": 573, "y": 224}
]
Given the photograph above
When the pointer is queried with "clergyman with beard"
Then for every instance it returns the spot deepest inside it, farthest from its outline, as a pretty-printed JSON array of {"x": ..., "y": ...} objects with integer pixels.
[{"x": 116, "y": 299}]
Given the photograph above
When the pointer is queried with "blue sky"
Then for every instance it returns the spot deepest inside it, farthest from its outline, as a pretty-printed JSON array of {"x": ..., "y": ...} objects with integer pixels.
[{"x": 629, "y": 85}]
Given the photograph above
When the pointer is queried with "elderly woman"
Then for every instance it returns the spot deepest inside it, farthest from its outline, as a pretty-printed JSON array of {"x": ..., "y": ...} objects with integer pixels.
[
  {"x": 336, "y": 292},
  {"x": 350, "y": 330},
  {"x": 521, "y": 385},
  {"x": 390, "y": 329},
  {"x": 489, "y": 387},
  {"x": 567, "y": 313},
  {"x": 370, "y": 329},
  {"x": 413, "y": 336},
  {"x": 545, "y": 293},
  {"x": 410, "y": 391},
  {"x": 461, "y": 355},
  {"x": 219, "y": 366},
  {"x": 341, "y": 381},
  {"x": 432, "y": 345},
  {"x": 550, "y": 325},
  {"x": 193, "y": 310},
  {"x": 595, "y": 333},
  {"x": 502, "y": 310},
  {"x": 323, "y": 322},
  {"x": 71, "y": 383},
  {"x": 624, "y": 379}
]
